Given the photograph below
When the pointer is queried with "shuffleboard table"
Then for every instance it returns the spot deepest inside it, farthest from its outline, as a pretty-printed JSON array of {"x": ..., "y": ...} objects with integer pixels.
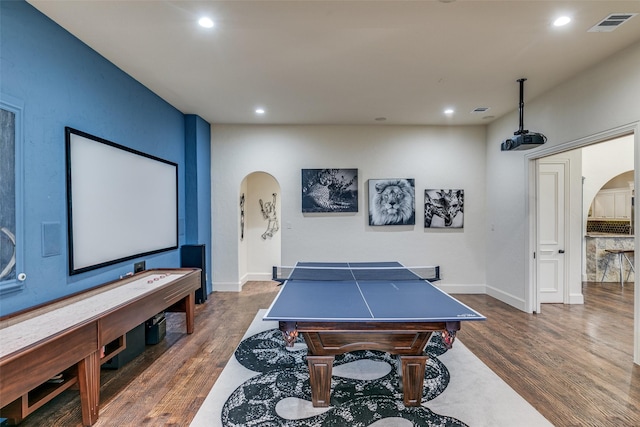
[{"x": 77, "y": 333}]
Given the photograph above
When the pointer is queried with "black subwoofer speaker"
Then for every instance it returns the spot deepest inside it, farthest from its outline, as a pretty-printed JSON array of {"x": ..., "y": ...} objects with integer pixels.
[{"x": 195, "y": 256}]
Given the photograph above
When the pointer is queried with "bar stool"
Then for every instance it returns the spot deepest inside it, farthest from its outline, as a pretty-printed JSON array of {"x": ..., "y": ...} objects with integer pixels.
[{"x": 620, "y": 254}]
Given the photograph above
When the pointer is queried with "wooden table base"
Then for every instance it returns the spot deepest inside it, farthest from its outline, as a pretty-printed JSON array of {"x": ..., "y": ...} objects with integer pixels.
[
  {"x": 413, "y": 368},
  {"x": 320, "y": 368},
  {"x": 407, "y": 340}
]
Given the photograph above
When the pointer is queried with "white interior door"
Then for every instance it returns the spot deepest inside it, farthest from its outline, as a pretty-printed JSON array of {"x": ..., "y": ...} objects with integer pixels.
[{"x": 551, "y": 231}]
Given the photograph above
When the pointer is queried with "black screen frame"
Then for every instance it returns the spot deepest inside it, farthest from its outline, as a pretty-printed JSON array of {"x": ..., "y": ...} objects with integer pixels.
[{"x": 73, "y": 203}]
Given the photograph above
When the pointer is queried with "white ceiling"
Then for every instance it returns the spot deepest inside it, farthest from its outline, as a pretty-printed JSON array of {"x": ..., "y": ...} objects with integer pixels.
[{"x": 347, "y": 62}]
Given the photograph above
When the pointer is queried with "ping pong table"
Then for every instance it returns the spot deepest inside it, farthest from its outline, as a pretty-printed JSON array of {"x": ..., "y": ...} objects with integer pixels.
[{"x": 343, "y": 307}]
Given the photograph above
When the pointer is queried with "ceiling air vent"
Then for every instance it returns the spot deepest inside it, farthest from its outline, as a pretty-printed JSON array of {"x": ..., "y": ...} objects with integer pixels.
[
  {"x": 611, "y": 22},
  {"x": 480, "y": 110}
]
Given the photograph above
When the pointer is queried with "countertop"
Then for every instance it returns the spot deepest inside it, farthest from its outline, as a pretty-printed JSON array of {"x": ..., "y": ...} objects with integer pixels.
[{"x": 598, "y": 234}]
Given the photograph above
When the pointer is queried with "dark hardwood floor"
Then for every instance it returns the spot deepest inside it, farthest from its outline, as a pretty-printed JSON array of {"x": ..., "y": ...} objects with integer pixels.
[{"x": 573, "y": 363}]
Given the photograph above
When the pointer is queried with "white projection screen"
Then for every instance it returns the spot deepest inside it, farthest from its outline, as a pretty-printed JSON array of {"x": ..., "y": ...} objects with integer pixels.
[{"x": 121, "y": 203}]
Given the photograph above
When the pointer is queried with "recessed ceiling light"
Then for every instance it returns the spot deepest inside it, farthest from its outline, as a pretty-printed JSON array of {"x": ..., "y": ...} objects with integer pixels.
[
  {"x": 449, "y": 111},
  {"x": 205, "y": 22},
  {"x": 259, "y": 110},
  {"x": 561, "y": 21}
]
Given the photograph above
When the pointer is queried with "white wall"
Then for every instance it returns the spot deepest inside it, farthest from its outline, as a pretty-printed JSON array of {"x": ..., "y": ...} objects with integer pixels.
[
  {"x": 436, "y": 157},
  {"x": 601, "y": 99},
  {"x": 493, "y": 248},
  {"x": 594, "y": 103}
]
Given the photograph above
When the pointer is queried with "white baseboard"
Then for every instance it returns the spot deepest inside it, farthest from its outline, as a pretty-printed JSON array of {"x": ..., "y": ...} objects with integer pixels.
[
  {"x": 227, "y": 287},
  {"x": 257, "y": 277},
  {"x": 237, "y": 287},
  {"x": 506, "y": 298},
  {"x": 262, "y": 277},
  {"x": 462, "y": 289},
  {"x": 576, "y": 299}
]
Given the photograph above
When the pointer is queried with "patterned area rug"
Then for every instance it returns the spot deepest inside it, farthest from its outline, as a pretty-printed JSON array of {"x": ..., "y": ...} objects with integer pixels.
[{"x": 267, "y": 384}]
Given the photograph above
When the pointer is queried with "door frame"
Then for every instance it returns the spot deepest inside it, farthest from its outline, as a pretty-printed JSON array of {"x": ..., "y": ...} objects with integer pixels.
[{"x": 532, "y": 292}]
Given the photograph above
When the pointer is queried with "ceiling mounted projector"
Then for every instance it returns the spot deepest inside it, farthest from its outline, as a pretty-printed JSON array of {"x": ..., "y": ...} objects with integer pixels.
[{"x": 523, "y": 139}]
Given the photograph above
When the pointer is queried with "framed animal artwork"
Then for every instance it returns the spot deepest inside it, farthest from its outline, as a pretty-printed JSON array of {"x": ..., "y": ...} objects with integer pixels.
[
  {"x": 443, "y": 208},
  {"x": 10, "y": 120},
  {"x": 392, "y": 201},
  {"x": 329, "y": 190},
  {"x": 242, "y": 216}
]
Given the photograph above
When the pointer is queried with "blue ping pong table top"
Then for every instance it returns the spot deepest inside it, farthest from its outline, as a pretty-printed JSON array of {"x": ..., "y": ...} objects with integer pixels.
[{"x": 343, "y": 299}]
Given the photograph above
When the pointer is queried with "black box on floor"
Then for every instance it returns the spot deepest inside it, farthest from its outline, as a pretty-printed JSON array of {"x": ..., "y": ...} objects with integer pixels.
[
  {"x": 135, "y": 345},
  {"x": 156, "y": 329}
]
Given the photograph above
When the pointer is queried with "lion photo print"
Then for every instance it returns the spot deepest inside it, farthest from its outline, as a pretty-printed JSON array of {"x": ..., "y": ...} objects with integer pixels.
[{"x": 392, "y": 201}]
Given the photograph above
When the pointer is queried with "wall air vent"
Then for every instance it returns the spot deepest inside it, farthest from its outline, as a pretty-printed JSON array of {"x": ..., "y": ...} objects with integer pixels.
[{"x": 611, "y": 22}]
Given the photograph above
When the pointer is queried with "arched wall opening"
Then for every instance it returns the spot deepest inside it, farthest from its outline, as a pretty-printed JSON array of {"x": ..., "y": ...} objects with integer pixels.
[
  {"x": 607, "y": 192},
  {"x": 599, "y": 174},
  {"x": 259, "y": 231},
  {"x": 613, "y": 203}
]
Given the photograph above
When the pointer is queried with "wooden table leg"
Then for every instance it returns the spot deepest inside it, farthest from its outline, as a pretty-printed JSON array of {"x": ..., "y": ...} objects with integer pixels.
[
  {"x": 320, "y": 368},
  {"x": 413, "y": 368},
  {"x": 190, "y": 309},
  {"x": 89, "y": 384}
]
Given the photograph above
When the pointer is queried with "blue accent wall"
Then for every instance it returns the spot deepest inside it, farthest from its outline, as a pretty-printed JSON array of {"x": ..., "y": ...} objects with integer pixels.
[
  {"x": 59, "y": 81},
  {"x": 198, "y": 186}
]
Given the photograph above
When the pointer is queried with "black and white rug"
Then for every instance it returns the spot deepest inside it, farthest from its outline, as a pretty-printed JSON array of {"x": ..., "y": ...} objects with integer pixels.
[{"x": 267, "y": 384}]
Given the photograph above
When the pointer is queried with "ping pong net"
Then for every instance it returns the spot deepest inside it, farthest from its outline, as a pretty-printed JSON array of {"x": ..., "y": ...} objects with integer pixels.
[{"x": 360, "y": 273}]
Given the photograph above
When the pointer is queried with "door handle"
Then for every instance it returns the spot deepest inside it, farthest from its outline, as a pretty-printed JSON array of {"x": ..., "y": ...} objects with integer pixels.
[{"x": 561, "y": 251}]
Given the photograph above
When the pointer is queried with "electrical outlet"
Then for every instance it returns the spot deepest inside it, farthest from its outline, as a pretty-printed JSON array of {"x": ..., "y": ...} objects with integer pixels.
[{"x": 139, "y": 266}]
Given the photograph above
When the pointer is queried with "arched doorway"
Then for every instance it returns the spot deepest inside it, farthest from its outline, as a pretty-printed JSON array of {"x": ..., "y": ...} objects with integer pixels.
[
  {"x": 260, "y": 226},
  {"x": 610, "y": 226}
]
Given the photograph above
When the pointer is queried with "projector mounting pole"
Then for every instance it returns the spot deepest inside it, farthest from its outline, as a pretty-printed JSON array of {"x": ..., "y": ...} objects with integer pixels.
[
  {"x": 521, "y": 131},
  {"x": 523, "y": 140}
]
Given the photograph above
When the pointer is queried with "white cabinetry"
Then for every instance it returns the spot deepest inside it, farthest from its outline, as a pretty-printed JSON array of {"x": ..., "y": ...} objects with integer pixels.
[
  {"x": 613, "y": 203},
  {"x": 622, "y": 204}
]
